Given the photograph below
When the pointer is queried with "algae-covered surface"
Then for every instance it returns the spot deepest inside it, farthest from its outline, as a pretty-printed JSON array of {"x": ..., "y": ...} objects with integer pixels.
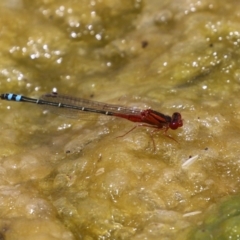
[
  {"x": 76, "y": 178},
  {"x": 221, "y": 222}
]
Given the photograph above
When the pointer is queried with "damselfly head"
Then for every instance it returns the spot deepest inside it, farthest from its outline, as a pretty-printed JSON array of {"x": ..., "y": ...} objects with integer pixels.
[{"x": 176, "y": 121}]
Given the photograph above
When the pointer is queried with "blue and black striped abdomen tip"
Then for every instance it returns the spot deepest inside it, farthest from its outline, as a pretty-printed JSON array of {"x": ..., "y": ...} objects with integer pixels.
[{"x": 11, "y": 97}]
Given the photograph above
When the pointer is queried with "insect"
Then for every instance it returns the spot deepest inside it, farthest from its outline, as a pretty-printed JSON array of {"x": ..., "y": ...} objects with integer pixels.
[{"x": 72, "y": 106}]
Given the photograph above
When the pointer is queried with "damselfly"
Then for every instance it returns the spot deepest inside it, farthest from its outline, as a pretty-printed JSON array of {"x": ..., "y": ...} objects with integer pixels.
[{"x": 145, "y": 117}]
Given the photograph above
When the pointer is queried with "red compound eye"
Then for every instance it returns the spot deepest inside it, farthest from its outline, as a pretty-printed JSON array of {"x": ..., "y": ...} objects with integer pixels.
[{"x": 176, "y": 121}]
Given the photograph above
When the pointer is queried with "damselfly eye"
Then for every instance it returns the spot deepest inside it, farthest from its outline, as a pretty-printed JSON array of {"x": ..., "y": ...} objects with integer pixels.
[{"x": 176, "y": 121}]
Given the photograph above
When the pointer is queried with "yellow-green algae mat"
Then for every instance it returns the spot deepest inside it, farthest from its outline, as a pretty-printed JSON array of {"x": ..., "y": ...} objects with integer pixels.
[{"x": 65, "y": 178}]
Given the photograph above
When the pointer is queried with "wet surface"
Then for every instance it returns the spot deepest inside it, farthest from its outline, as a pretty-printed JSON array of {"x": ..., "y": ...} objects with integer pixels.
[{"x": 64, "y": 178}]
